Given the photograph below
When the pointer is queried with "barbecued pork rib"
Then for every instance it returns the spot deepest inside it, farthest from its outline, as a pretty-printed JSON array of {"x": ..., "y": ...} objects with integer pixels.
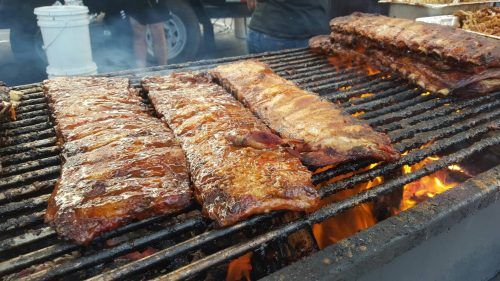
[
  {"x": 119, "y": 163},
  {"x": 237, "y": 165},
  {"x": 432, "y": 75},
  {"x": 320, "y": 44},
  {"x": 445, "y": 42},
  {"x": 326, "y": 135},
  {"x": 439, "y": 58}
]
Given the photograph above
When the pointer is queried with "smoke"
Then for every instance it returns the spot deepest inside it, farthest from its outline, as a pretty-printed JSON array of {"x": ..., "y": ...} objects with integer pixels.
[{"x": 111, "y": 38}]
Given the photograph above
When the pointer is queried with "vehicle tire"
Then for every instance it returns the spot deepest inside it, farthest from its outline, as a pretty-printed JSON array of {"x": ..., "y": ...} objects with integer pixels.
[{"x": 183, "y": 32}]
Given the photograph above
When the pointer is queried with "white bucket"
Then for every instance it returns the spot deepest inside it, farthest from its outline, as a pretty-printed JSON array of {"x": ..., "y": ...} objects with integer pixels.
[{"x": 66, "y": 39}]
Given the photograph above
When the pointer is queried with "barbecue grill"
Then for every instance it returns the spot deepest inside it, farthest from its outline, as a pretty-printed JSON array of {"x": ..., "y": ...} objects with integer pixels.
[{"x": 189, "y": 246}]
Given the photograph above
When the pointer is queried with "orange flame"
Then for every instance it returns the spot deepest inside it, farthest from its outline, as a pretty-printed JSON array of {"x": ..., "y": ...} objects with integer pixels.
[
  {"x": 363, "y": 216},
  {"x": 371, "y": 71},
  {"x": 350, "y": 221},
  {"x": 428, "y": 186},
  {"x": 364, "y": 95},
  {"x": 345, "y": 88},
  {"x": 240, "y": 268}
]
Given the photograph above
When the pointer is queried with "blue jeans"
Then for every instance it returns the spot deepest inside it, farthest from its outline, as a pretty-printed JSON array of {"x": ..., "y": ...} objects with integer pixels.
[{"x": 258, "y": 42}]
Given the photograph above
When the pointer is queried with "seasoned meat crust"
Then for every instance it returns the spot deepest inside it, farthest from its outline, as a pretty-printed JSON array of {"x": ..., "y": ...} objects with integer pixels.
[
  {"x": 322, "y": 132},
  {"x": 445, "y": 42},
  {"x": 119, "y": 163},
  {"x": 320, "y": 44},
  {"x": 238, "y": 166},
  {"x": 441, "y": 59}
]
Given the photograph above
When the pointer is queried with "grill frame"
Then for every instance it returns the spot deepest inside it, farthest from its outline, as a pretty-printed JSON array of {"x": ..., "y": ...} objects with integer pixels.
[{"x": 286, "y": 63}]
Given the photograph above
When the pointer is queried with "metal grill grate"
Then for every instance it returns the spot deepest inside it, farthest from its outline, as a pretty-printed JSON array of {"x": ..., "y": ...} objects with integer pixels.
[{"x": 30, "y": 160}]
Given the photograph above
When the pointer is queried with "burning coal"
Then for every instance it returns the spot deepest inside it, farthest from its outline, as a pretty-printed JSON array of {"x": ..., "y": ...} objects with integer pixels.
[{"x": 239, "y": 269}]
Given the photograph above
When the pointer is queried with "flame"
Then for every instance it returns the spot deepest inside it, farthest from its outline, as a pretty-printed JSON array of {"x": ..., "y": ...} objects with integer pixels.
[
  {"x": 240, "y": 268},
  {"x": 359, "y": 113},
  {"x": 365, "y": 95},
  {"x": 350, "y": 59},
  {"x": 371, "y": 71},
  {"x": 349, "y": 222},
  {"x": 344, "y": 225},
  {"x": 428, "y": 186},
  {"x": 363, "y": 216},
  {"x": 456, "y": 168}
]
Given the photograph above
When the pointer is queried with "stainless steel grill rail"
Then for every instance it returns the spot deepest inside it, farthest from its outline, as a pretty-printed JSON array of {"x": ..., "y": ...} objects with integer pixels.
[{"x": 30, "y": 160}]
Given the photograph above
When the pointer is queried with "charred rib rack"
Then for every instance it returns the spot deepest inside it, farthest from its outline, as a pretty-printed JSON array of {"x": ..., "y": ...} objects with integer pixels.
[
  {"x": 329, "y": 135},
  {"x": 119, "y": 163},
  {"x": 457, "y": 129},
  {"x": 237, "y": 165},
  {"x": 439, "y": 58}
]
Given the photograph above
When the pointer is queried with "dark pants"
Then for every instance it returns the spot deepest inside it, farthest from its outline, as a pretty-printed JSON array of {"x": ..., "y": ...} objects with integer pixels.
[{"x": 258, "y": 42}]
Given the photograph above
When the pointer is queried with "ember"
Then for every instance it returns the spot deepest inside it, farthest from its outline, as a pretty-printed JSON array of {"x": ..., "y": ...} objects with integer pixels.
[
  {"x": 239, "y": 269},
  {"x": 351, "y": 60}
]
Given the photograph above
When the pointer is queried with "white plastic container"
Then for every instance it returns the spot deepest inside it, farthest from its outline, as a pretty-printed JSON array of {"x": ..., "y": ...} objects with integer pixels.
[{"x": 66, "y": 39}]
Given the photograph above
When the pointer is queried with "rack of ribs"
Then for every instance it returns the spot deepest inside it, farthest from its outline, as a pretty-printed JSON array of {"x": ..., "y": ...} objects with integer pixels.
[
  {"x": 320, "y": 131},
  {"x": 118, "y": 163},
  {"x": 441, "y": 59},
  {"x": 238, "y": 166}
]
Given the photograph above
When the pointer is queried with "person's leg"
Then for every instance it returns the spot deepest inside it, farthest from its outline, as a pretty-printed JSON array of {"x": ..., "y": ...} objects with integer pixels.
[
  {"x": 159, "y": 42},
  {"x": 253, "y": 44},
  {"x": 259, "y": 42},
  {"x": 140, "y": 47}
]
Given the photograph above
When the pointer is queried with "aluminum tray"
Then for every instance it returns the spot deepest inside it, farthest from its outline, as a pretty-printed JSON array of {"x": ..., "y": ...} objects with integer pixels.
[
  {"x": 408, "y": 10},
  {"x": 451, "y": 20}
]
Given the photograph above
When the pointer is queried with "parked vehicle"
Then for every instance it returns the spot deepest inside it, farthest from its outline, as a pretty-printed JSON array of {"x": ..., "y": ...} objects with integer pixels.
[{"x": 188, "y": 30}]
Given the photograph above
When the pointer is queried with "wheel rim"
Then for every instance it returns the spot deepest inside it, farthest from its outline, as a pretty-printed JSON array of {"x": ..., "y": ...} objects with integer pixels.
[{"x": 176, "y": 34}]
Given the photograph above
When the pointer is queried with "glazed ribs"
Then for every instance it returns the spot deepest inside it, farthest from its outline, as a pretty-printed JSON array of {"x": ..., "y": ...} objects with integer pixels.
[
  {"x": 238, "y": 166},
  {"x": 119, "y": 163},
  {"x": 441, "y": 59},
  {"x": 320, "y": 131}
]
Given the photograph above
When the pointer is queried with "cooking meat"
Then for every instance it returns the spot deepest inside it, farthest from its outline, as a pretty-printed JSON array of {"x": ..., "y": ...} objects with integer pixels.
[
  {"x": 319, "y": 130},
  {"x": 320, "y": 44},
  {"x": 238, "y": 166},
  {"x": 119, "y": 163},
  {"x": 442, "y": 41},
  {"x": 439, "y": 58}
]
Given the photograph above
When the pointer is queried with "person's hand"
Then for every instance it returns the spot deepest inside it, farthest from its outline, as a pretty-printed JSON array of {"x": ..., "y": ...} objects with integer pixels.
[{"x": 251, "y": 4}]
